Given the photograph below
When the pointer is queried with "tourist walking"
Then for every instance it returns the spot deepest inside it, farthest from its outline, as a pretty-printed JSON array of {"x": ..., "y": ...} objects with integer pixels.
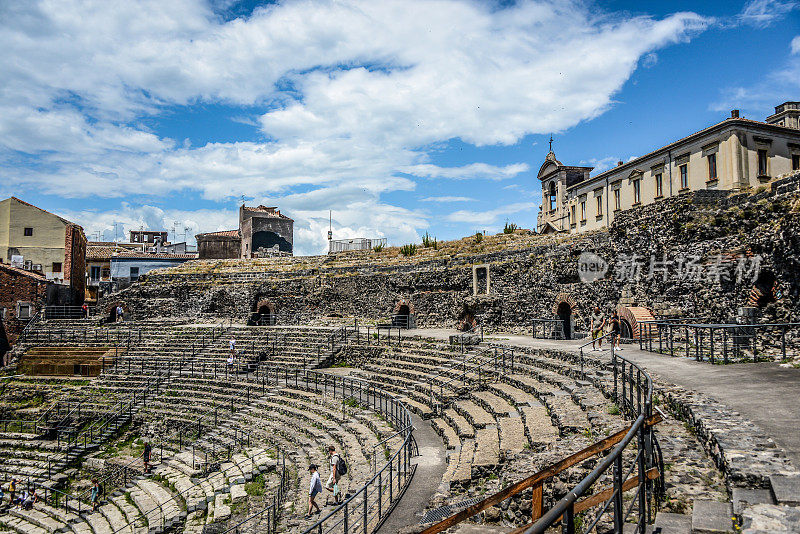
[
  {"x": 95, "y": 496},
  {"x": 120, "y": 314},
  {"x": 146, "y": 453},
  {"x": 616, "y": 331},
  {"x": 12, "y": 490},
  {"x": 314, "y": 488},
  {"x": 338, "y": 468},
  {"x": 597, "y": 323}
]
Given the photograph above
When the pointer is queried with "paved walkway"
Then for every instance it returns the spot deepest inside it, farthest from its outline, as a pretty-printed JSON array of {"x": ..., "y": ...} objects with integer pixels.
[
  {"x": 765, "y": 393},
  {"x": 431, "y": 465}
]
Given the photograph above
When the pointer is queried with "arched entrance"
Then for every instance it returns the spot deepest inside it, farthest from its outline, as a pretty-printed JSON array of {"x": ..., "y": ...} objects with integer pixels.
[
  {"x": 264, "y": 313},
  {"x": 763, "y": 291},
  {"x": 564, "y": 312},
  {"x": 402, "y": 315},
  {"x": 626, "y": 330},
  {"x": 111, "y": 312}
]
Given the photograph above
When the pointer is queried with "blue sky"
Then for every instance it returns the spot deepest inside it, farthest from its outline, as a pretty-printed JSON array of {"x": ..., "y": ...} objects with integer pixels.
[{"x": 401, "y": 116}]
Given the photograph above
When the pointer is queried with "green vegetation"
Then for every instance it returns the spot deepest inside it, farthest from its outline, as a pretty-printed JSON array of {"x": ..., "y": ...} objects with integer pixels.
[
  {"x": 478, "y": 237},
  {"x": 408, "y": 250},
  {"x": 429, "y": 242},
  {"x": 613, "y": 409},
  {"x": 509, "y": 228},
  {"x": 379, "y": 248}
]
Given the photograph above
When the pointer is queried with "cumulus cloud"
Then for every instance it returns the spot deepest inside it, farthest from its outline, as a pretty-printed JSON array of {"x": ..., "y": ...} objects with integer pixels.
[
  {"x": 795, "y": 46},
  {"x": 351, "y": 97}
]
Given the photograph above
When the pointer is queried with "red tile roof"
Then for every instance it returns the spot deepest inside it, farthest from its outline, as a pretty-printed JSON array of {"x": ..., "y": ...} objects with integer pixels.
[
  {"x": 221, "y": 233},
  {"x": 16, "y": 270}
]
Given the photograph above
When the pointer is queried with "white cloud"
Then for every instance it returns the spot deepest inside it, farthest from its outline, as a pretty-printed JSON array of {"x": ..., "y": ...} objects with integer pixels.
[
  {"x": 763, "y": 13},
  {"x": 490, "y": 216},
  {"x": 447, "y": 199},
  {"x": 351, "y": 95},
  {"x": 471, "y": 171},
  {"x": 775, "y": 88}
]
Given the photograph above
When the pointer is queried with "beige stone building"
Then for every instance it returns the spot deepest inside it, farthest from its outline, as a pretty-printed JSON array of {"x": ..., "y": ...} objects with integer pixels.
[
  {"x": 44, "y": 242},
  {"x": 735, "y": 154}
]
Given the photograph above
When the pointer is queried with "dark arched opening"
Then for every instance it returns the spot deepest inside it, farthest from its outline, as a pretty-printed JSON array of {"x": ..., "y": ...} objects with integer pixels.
[
  {"x": 764, "y": 289},
  {"x": 626, "y": 329},
  {"x": 263, "y": 314},
  {"x": 564, "y": 312}
]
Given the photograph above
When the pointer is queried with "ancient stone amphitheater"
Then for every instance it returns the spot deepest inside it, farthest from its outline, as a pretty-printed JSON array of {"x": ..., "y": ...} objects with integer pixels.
[{"x": 488, "y": 430}]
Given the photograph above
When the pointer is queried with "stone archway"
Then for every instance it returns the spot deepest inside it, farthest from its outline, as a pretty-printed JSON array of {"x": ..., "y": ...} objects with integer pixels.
[
  {"x": 264, "y": 312},
  {"x": 111, "y": 312},
  {"x": 403, "y": 314},
  {"x": 632, "y": 317},
  {"x": 763, "y": 291},
  {"x": 565, "y": 309}
]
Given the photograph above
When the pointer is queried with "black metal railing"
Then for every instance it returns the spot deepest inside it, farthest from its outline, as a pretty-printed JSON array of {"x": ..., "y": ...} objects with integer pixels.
[
  {"x": 266, "y": 519},
  {"x": 69, "y": 312},
  {"x": 721, "y": 343},
  {"x": 544, "y": 328},
  {"x": 633, "y": 393}
]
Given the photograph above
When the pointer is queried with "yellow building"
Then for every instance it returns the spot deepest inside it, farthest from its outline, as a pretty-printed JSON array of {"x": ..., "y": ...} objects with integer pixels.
[
  {"x": 734, "y": 155},
  {"x": 40, "y": 241}
]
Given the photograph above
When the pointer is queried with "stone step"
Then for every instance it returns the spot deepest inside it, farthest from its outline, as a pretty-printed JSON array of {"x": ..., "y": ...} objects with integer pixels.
[
  {"x": 477, "y": 416},
  {"x": 463, "y": 470},
  {"x": 492, "y": 403},
  {"x": 538, "y": 425},
  {"x": 462, "y": 427},
  {"x": 487, "y": 450},
  {"x": 449, "y": 436},
  {"x": 512, "y": 435},
  {"x": 711, "y": 517}
]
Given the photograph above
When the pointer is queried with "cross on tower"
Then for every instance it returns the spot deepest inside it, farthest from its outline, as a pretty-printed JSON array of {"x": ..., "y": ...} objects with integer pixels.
[{"x": 551, "y": 142}]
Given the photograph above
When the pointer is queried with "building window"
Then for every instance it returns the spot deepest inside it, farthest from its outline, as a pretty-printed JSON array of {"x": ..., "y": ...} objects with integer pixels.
[
  {"x": 583, "y": 211},
  {"x": 712, "y": 166},
  {"x": 762, "y": 162},
  {"x": 23, "y": 310},
  {"x": 56, "y": 267},
  {"x": 94, "y": 273},
  {"x": 572, "y": 217},
  {"x": 134, "y": 273},
  {"x": 796, "y": 162},
  {"x": 684, "y": 176},
  {"x": 27, "y": 231},
  {"x": 105, "y": 274},
  {"x": 599, "y": 199},
  {"x": 637, "y": 191},
  {"x": 659, "y": 185},
  {"x": 617, "y": 203}
]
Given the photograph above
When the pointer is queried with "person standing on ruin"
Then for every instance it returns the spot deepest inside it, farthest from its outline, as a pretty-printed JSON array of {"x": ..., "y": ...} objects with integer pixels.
[
  {"x": 146, "y": 454},
  {"x": 616, "y": 331},
  {"x": 333, "y": 479},
  {"x": 315, "y": 487},
  {"x": 597, "y": 323}
]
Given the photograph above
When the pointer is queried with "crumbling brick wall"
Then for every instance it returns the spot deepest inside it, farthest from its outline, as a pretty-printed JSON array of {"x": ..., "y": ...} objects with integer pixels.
[{"x": 19, "y": 286}]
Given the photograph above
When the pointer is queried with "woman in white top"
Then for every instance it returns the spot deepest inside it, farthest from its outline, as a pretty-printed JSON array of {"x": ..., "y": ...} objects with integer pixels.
[{"x": 315, "y": 487}]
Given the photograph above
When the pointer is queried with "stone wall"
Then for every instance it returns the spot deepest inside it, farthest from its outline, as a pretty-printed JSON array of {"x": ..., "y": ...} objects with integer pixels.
[{"x": 723, "y": 232}]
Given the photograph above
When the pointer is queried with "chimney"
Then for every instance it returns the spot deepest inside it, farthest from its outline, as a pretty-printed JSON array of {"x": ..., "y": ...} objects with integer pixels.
[
  {"x": 734, "y": 113},
  {"x": 619, "y": 163}
]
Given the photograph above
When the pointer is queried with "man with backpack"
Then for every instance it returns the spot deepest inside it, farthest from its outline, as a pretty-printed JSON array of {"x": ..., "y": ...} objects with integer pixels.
[{"x": 338, "y": 468}]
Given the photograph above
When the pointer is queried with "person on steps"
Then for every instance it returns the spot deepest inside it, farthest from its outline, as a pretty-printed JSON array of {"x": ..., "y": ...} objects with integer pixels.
[
  {"x": 597, "y": 323},
  {"x": 333, "y": 479},
  {"x": 146, "y": 453},
  {"x": 95, "y": 497},
  {"x": 12, "y": 490},
  {"x": 315, "y": 487}
]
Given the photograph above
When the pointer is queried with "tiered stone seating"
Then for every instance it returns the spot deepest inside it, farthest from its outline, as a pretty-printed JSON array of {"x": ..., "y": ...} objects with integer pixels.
[{"x": 538, "y": 405}]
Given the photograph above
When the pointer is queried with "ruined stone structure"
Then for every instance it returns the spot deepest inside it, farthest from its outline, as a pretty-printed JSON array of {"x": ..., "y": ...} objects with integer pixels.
[
  {"x": 507, "y": 280},
  {"x": 263, "y": 232}
]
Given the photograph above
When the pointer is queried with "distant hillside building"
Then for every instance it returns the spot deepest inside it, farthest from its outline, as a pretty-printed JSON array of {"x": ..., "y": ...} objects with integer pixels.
[
  {"x": 263, "y": 231},
  {"x": 733, "y": 155},
  {"x": 36, "y": 240}
]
